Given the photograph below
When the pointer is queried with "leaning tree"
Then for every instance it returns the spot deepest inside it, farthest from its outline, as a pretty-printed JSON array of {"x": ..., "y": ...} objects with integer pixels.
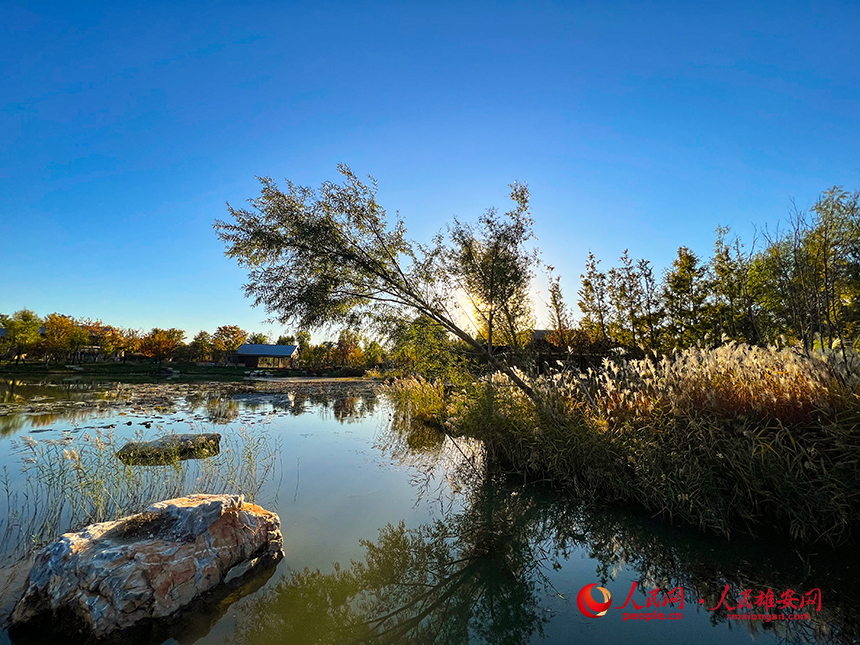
[{"x": 331, "y": 256}]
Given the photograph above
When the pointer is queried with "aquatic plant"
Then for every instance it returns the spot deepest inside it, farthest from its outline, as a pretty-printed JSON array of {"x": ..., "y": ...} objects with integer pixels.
[{"x": 70, "y": 482}]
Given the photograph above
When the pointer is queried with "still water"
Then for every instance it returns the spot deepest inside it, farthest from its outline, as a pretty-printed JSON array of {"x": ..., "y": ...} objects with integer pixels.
[{"x": 398, "y": 534}]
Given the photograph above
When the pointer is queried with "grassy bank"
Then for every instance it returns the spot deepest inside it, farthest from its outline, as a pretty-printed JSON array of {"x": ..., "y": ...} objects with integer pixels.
[
  {"x": 733, "y": 439},
  {"x": 150, "y": 369},
  {"x": 112, "y": 370}
]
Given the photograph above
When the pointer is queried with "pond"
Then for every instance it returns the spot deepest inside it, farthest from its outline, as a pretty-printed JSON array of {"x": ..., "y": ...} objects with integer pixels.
[{"x": 395, "y": 533}]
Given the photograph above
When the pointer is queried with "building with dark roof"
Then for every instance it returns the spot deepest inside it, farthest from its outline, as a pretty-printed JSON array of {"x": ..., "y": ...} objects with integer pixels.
[{"x": 272, "y": 356}]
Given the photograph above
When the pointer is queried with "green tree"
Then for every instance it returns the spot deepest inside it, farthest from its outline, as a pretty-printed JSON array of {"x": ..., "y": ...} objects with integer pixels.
[
  {"x": 200, "y": 348},
  {"x": 736, "y": 311},
  {"x": 626, "y": 298},
  {"x": 23, "y": 332},
  {"x": 332, "y": 258},
  {"x": 685, "y": 290},
  {"x": 492, "y": 265},
  {"x": 303, "y": 341},
  {"x": 423, "y": 347},
  {"x": 652, "y": 313},
  {"x": 374, "y": 353},
  {"x": 593, "y": 301},
  {"x": 835, "y": 249},
  {"x": 258, "y": 338},
  {"x": 808, "y": 277},
  {"x": 286, "y": 339}
]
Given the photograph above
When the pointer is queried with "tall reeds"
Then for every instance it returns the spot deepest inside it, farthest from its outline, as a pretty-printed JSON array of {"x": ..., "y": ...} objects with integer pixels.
[
  {"x": 68, "y": 483},
  {"x": 733, "y": 438}
]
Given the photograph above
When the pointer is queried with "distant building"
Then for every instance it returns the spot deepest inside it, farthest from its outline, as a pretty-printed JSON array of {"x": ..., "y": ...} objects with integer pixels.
[
  {"x": 272, "y": 356},
  {"x": 3, "y": 331}
]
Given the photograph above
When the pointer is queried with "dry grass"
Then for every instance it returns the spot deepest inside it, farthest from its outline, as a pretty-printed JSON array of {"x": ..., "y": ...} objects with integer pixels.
[
  {"x": 72, "y": 482},
  {"x": 417, "y": 399},
  {"x": 735, "y": 438}
]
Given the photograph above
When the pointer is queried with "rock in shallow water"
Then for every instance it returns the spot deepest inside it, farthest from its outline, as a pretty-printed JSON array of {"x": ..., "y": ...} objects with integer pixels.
[
  {"x": 171, "y": 448},
  {"x": 115, "y": 577}
]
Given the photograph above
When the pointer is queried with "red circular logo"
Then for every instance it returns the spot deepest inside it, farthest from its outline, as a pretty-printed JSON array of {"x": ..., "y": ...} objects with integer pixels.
[{"x": 591, "y": 607}]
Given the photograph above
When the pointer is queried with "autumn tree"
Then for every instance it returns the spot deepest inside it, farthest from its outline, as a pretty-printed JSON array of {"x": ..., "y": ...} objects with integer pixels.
[
  {"x": 227, "y": 339},
  {"x": 63, "y": 336},
  {"x": 112, "y": 340},
  {"x": 347, "y": 346},
  {"x": 319, "y": 356},
  {"x": 108, "y": 339},
  {"x": 130, "y": 341},
  {"x": 162, "y": 344}
]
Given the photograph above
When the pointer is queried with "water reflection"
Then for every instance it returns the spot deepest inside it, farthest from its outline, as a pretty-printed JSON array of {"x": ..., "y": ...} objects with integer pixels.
[
  {"x": 218, "y": 408},
  {"x": 474, "y": 575},
  {"x": 484, "y": 572},
  {"x": 12, "y": 423},
  {"x": 42, "y": 404},
  {"x": 67, "y": 389},
  {"x": 345, "y": 405}
]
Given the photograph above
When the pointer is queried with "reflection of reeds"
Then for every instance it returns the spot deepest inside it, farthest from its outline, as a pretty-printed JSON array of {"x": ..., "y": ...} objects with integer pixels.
[
  {"x": 733, "y": 438},
  {"x": 441, "y": 465},
  {"x": 484, "y": 573},
  {"x": 631, "y": 547},
  {"x": 416, "y": 399},
  {"x": 72, "y": 482}
]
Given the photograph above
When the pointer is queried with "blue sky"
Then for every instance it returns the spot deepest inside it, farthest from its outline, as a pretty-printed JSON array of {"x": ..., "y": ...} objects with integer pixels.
[{"x": 124, "y": 130}]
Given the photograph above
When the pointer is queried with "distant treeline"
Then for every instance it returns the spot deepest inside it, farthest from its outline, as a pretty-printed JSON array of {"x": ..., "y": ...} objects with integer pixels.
[
  {"x": 61, "y": 338},
  {"x": 799, "y": 284}
]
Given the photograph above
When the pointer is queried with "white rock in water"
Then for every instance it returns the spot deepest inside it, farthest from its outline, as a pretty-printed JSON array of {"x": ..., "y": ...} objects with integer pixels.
[{"x": 113, "y": 576}]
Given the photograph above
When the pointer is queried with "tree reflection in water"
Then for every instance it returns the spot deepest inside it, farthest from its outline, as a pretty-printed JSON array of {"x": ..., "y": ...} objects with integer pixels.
[
  {"x": 483, "y": 572},
  {"x": 346, "y": 402},
  {"x": 474, "y": 575}
]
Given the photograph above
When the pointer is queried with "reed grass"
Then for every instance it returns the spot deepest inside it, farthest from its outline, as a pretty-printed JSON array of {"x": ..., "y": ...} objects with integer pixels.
[
  {"x": 736, "y": 438},
  {"x": 68, "y": 483}
]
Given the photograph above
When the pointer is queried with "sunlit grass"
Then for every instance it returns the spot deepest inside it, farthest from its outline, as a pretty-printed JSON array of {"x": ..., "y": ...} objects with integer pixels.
[
  {"x": 734, "y": 438},
  {"x": 71, "y": 482}
]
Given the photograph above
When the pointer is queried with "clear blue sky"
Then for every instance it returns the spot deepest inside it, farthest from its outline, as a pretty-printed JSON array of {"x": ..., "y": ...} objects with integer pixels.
[{"x": 124, "y": 130}]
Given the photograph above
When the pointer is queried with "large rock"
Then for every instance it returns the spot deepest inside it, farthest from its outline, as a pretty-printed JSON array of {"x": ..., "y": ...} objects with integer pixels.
[
  {"x": 115, "y": 577},
  {"x": 170, "y": 449}
]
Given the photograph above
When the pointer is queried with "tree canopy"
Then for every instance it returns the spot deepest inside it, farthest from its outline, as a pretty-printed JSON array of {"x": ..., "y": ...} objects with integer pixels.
[{"x": 331, "y": 257}]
